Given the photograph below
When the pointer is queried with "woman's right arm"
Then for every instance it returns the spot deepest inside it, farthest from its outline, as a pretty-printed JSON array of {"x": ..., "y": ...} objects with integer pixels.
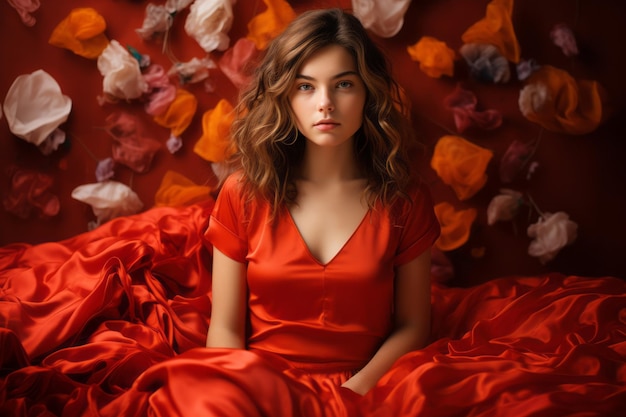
[{"x": 227, "y": 327}]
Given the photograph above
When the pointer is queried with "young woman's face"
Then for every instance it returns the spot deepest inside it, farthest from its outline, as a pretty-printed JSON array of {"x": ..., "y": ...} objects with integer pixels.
[{"x": 328, "y": 97}]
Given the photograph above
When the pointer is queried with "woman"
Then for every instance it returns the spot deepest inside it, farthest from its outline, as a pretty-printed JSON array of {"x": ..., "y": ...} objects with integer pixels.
[{"x": 322, "y": 235}]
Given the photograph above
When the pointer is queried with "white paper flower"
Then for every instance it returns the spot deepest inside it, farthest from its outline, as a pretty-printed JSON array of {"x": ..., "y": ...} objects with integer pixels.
[
  {"x": 384, "y": 18},
  {"x": 486, "y": 62},
  {"x": 532, "y": 98},
  {"x": 208, "y": 23},
  {"x": 35, "y": 106},
  {"x": 504, "y": 206},
  {"x": 551, "y": 233},
  {"x": 121, "y": 72},
  {"x": 108, "y": 199}
]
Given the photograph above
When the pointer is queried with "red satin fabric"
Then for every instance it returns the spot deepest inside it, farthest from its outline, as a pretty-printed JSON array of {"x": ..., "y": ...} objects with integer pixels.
[{"x": 112, "y": 323}]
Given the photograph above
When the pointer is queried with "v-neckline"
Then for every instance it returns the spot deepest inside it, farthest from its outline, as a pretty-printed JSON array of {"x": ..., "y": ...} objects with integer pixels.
[{"x": 341, "y": 248}]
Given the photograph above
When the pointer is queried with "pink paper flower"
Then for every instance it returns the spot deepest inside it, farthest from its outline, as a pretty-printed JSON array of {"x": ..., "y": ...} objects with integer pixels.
[
  {"x": 192, "y": 71},
  {"x": 563, "y": 37},
  {"x": 105, "y": 169},
  {"x": 504, "y": 206},
  {"x": 514, "y": 159},
  {"x": 131, "y": 147},
  {"x": 30, "y": 192},
  {"x": 550, "y": 234},
  {"x": 385, "y": 19},
  {"x": 236, "y": 63},
  {"x": 463, "y": 105},
  {"x": 24, "y": 8}
]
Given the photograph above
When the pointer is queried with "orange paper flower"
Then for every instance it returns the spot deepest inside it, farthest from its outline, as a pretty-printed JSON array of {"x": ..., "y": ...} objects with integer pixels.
[
  {"x": 455, "y": 226},
  {"x": 267, "y": 25},
  {"x": 178, "y": 115},
  {"x": 215, "y": 143},
  {"x": 555, "y": 100},
  {"x": 461, "y": 164},
  {"x": 496, "y": 28},
  {"x": 176, "y": 190},
  {"x": 434, "y": 56},
  {"x": 82, "y": 32}
]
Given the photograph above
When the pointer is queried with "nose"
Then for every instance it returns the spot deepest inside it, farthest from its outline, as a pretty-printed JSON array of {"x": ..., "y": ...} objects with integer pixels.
[{"x": 325, "y": 101}]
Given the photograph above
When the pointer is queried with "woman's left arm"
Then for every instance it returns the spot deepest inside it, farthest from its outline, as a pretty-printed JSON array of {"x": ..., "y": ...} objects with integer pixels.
[{"x": 412, "y": 323}]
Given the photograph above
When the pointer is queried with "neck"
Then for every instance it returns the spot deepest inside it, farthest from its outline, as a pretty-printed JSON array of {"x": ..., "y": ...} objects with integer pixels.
[{"x": 329, "y": 164}]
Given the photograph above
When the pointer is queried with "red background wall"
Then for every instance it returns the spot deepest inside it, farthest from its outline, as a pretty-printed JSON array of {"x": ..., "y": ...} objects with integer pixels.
[{"x": 581, "y": 175}]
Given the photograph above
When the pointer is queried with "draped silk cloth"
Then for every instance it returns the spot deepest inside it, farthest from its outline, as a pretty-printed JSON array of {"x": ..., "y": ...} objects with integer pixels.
[{"x": 113, "y": 322}]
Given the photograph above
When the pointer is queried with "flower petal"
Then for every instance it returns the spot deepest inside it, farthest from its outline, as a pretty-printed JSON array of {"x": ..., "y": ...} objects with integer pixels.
[
  {"x": 176, "y": 190},
  {"x": 455, "y": 226},
  {"x": 82, "y": 32},
  {"x": 180, "y": 112},
  {"x": 265, "y": 26},
  {"x": 435, "y": 57},
  {"x": 215, "y": 143}
]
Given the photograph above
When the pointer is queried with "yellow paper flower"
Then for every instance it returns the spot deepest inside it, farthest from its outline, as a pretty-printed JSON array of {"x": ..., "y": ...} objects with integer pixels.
[
  {"x": 455, "y": 226},
  {"x": 215, "y": 143},
  {"x": 555, "y": 100},
  {"x": 496, "y": 28},
  {"x": 461, "y": 164},
  {"x": 179, "y": 114},
  {"x": 82, "y": 32},
  {"x": 176, "y": 190},
  {"x": 267, "y": 25},
  {"x": 434, "y": 56}
]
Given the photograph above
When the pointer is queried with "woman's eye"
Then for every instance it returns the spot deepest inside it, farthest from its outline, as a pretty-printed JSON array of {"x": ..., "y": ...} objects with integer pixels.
[
  {"x": 305, "y": 87},
  {"x": 344, "y": 84}
]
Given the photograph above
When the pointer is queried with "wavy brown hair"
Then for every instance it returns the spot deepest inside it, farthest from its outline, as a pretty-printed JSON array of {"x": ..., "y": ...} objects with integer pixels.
[{"x": 269, "y": 147}]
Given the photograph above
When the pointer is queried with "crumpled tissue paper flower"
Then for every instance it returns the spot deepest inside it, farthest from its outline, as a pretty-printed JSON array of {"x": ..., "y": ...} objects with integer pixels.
[
  {"x": 265, "y": 26},
  {"x": 435, "y": 57},
  {"x": 486, "y": 63},
  {"x": 209, "y": 22},
  {"x": 504, "y": 206},
  {"x": 161, "y": 92},
  {"x": 122, "y": 75},
  {"x": 236, "y": 63},
  {"x": 174, "y": 144},
  {"x": 192, "y": 71},
  {"x": 563, "y": 37},
  {"x": 108, "y": 200},
  {"x": 179, "y": 114},
  {"x": 82, "y": 32},
  {"x": 159, "y": 18},
  {"x": 131, "y": 147},
  {"x": 463, "y": 105},
  {"x": 385, "y": 19},
  {"x": 215, "y": 143},
  {"x": 455, "y": 225},
  {"x": 176, "y": 190},
  {"x": 555, "y": 100},
  {"x": 30, "y": 191},
  {"x": 496, "y": 29},
  {"x": 525, "y": 68},
  {"x": 35, "y": 107},
  {"x": 461, "y": 164},
  {"x": 514, "y": 159},
  {"x": 24, "y": 8},
  {"x": 105, "y": 169},
  {"x": 551, "y": 233}
]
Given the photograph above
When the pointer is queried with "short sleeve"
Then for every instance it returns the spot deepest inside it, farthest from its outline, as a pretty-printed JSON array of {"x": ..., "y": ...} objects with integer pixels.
[
  {"x": 419, "y": 227},
  {"x": 226, "y": 230}
]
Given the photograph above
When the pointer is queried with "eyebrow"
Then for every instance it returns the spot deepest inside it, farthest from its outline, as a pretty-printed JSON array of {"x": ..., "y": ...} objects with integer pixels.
[{"x": 340, "y": 75}]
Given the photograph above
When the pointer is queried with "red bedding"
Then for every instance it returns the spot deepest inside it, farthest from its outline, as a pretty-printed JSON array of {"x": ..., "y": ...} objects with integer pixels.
[{"x": 113, "y": 322}]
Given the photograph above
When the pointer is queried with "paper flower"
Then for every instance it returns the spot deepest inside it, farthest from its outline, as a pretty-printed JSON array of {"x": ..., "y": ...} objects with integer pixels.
[
  {"x": 29, "y": 192},
  {"x": 461, "y": 164},
  {"x": 496, "y": 29},
  {"x": 504, "y": 206},
  {"x": 455, "y": 226},
  {"x": 130, "y": 145},
  {"x": 555, "y": 100},
  {"x": 463, "y": 105},
  {"x": 486, "y": 63},
  {"x": 52, "y": 142},
  {"x": 105, "y": 169},
  {"x": 385, "y": 19},
  {"x": 82, "y": 32},
  {"x": 236, "y": 63},
  {"x": 179, "y": 114},
  {"x": 209, "y": 22},
  {"x": 176, "y": 190},
  {"x": 121, "y": 72},
  {"x": 434, "y": 56},
  {"x": 35, "y": 107},
  {"x": 215, "y": 143},
  {"x": 563, "y": 37},
  {"x": 551, "y": 233},
  {"x": 24, "y": 8},
  {"x": 265, "y": 26},
  {"x": 192, "y": 71},
  {"x": 525, "y": 68},
  {"x": 173, "y": 144},
  {"x": 160, "y": 93},
  {"x": 159, "y": 18},
  {"x": 108, "y": 200},
  {"x": 514, "y": 159}
]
